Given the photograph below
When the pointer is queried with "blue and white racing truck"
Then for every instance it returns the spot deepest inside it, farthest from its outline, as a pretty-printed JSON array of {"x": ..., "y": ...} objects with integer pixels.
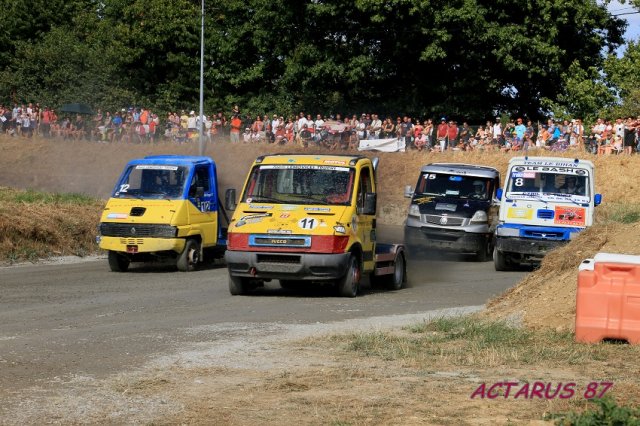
[{"x": 545, "y": 202}]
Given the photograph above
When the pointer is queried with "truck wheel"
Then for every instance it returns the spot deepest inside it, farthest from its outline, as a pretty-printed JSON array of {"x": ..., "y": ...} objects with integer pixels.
[
  {"x": 190, "y": 256},
  {"x": 393, "y": 281},
  {"x": 118, "y": 262},
  {"x": 499, "y": 260},
  {"x": 349, "y": 284},
  {"x": 396, "y": 280},
  {"x": 238, "y": 285},
  {"x": 483, "y": 255}
]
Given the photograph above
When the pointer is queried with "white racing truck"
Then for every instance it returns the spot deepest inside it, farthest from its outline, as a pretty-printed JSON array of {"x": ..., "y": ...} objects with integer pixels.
[{"x": 545, "y": 202}]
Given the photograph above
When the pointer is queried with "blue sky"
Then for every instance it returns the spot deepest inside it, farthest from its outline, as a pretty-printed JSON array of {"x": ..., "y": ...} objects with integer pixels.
[{"x": 633, "y": 29}]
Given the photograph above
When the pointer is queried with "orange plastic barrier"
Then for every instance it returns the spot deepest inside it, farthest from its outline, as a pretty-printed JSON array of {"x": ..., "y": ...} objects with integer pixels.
[{"x": 608, "y": 298}]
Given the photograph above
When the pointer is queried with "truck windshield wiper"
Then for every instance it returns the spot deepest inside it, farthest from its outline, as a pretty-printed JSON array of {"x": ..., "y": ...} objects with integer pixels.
[
  {"x": 262, "y": 198},
  {"x": 309, "y": 198}
]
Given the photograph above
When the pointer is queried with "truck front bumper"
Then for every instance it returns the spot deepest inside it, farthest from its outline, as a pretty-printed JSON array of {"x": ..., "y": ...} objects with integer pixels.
[
  {"x": 459, "y": 241},
  {"x": 527, "y": 246},
  {"x": 142, "y": 245},
  {"x": 287, "y": 266}
]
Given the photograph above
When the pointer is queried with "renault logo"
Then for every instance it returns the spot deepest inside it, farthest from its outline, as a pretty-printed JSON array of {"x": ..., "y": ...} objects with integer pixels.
[
  {"x": 133, "y": 231},
  {"x": 444, "y": 220}
]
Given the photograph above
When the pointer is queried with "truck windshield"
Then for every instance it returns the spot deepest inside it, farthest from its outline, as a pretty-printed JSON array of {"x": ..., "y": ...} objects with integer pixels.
[
  {"x": 534, "y": 184},
  {"x": 300, "y": 184},
  {"x": 151, "y": 182},
  {"x": 453, "y": 186}
]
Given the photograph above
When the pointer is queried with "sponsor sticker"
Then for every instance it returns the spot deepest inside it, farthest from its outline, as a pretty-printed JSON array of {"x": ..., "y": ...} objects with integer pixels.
[
  {"x": 569, "y": 216},
  {"x": 279, "y": 231},
  {"x": 155, "y": 167},
  {"x": 317, "y": 209},
  {"x": 518, "y": 213}
]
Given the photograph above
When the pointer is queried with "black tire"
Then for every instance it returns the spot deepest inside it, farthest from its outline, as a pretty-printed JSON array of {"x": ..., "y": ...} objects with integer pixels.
[
  {"x": 396, "y": 280},
  {"x": 118, "y": 262},
  {"x": 500, "y": 260},
  {"x": 190, "y": 256},
  {"x": 483, "y": 255},
  {"x": 349, "y": 284},
  {"x": 238, "y": 285}
]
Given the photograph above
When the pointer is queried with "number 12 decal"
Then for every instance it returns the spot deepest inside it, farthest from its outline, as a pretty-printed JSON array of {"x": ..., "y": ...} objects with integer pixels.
[{"x": 308, "y": 223}]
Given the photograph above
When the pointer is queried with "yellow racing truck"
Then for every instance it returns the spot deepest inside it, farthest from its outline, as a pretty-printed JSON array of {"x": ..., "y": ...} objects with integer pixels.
[
  {"x": 310, "y": 218},
  {"x": 164, "y": 206}
]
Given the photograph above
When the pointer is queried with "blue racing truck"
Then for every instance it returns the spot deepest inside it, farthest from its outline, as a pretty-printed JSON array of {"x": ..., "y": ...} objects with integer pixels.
[
  {"x": 164, "y": 206},
  {"x": 545, "y": 202}
]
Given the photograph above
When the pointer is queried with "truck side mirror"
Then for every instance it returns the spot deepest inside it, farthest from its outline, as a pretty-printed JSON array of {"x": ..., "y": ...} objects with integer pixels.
[
  {"x": 230, "y": 199},
  {"x": 499, "y": 193},
  {"x": 408, "y": 191},
  {"x": 369, "y": 206},
  {"x": 597, "y": 199}
]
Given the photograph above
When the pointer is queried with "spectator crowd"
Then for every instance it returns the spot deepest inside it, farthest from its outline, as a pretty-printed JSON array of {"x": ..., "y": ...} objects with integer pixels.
[{"x": 141, "y": 125}]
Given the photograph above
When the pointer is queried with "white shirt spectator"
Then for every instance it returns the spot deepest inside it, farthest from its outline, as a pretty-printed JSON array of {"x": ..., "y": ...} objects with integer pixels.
[
  {"x": 192, "y": 122},
  {"x": 497, "y": 130},
  {"x": 302, "y": 121}
]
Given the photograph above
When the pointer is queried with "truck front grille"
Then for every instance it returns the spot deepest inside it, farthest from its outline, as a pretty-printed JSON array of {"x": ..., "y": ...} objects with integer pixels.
[
  {"x": 435, "y": 219},
  {"x": 137, "y": 230}
]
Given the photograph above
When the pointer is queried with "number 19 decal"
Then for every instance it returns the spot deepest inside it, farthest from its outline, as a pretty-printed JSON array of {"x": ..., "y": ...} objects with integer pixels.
[{"x": 308, "y": 223}]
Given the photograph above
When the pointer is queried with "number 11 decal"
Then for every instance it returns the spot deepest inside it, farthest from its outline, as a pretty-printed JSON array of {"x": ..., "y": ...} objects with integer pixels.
[{"x": 307, "y": 223}]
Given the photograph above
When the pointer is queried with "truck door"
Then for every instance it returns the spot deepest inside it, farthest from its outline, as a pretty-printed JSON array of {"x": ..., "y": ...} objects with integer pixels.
[
  {"x": 202, "y": 194},
  {"x": 366, "y": 222}
]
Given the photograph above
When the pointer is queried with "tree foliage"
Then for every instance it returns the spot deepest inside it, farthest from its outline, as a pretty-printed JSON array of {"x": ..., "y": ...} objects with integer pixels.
[{"x": 468, "y": 58}]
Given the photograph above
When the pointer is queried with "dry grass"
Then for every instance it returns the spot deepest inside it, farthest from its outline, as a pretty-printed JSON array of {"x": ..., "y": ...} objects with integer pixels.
[
  {"x": 36, "y": 225},
  {"x": 423, "y": 374}
]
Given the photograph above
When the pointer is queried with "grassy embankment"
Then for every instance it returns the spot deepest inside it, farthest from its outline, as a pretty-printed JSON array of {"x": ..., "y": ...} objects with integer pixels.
[{"x": 35, "y": 225}]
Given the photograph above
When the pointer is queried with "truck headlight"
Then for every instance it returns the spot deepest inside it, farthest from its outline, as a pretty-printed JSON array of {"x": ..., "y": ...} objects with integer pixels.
[
  {"x": 414, "y": 210},
  {"x": 479, "y": 217},
  {"x": 340, "y": 229}
]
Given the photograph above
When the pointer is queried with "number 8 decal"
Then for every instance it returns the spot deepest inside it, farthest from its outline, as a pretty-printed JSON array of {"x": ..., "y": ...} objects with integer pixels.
[{"x": 519, "y": 182}]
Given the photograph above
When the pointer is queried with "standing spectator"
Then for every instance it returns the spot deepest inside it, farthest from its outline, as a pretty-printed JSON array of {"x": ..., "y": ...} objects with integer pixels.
[
  {"x": 529, "y": 134},
  {"x": 417, "y": 134},
  {"x": 279, "y": 132},
  {"x": 288, "y": 130},
  {"x": 184, "y": 120},
  {"x": 496, "y": 132},
  {"x": 192, "y": 124},
  {"x": 577, "y": 134},
  {"x": 319, "y": 126},
  {"x": 441, "y": 134},
  {"x": 154, "y": 121},
  {"x": 376, "y": 127},
  {"x": 45, "y": 126},
  {"x": 520, "y": 129},
  {"x": 236, "y": 124},
  {"x": 452, "y": 134},
  {"x": 629, "y": 135},
  {"x": 465, "y": 136},
  {"x": 388, "y": 128},
  {"x": 427, "y": 131},
  {"x": 301, "y": 125}
]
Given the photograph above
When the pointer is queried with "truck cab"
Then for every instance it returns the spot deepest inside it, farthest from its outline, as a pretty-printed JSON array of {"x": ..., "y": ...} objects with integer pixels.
[
  {"x": 453, "y": 208},
  {"x": 545, "y": 202},
  {"x": 163, "y": 206},
  {"x": 309, "y": 218}
]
